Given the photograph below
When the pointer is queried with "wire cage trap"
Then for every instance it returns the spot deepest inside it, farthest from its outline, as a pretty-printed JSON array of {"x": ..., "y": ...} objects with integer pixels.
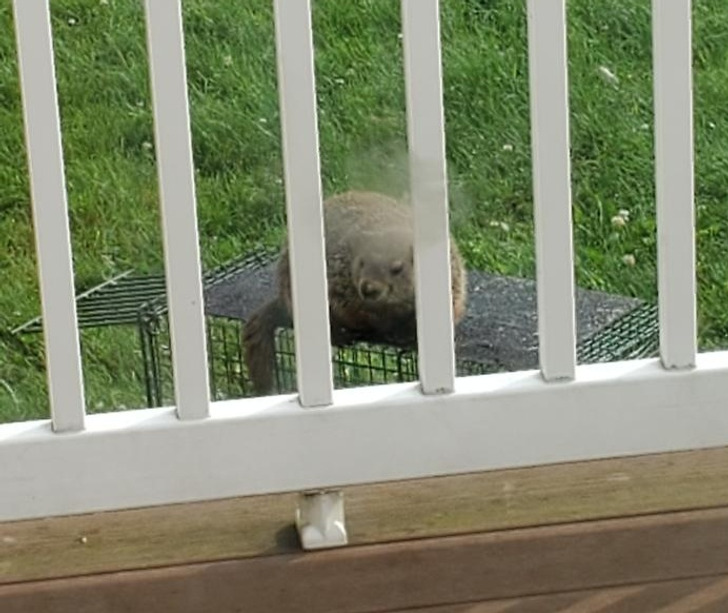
[
  {"x": 231, "y": 294},
  {"x": 499, "y": 332},
  {"x": 359, "y": 365}
]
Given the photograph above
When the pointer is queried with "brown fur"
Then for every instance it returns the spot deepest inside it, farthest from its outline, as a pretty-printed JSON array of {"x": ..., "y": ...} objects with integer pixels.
[{"x": 369, "y": 259}]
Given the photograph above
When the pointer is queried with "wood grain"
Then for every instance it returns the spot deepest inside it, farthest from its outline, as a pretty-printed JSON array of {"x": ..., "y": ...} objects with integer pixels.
[
  {"x": 657, "y": 597},
  {"x": 568, "y": 560},
  {"x": 258, "y": 526}
]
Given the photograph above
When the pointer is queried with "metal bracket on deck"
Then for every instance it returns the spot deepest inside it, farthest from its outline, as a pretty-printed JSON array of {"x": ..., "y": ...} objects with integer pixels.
[{"x": 320, "y": 519}]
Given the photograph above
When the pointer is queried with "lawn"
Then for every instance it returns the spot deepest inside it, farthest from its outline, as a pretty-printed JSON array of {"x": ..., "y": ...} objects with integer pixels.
[{"x": 113, "y": 198}]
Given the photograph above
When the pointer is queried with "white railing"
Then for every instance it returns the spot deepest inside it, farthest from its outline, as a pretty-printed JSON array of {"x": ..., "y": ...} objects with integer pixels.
[
  {"x": 303, "y": 202},
  {"x": 202, "y": 450},
  {"x": 48, "y": 195},
  {"x": 552, "y": 188},
  {"x": 425, "y": 122},
  {"x": 179, "y": 213},
  {"x": 674, "y": 171}
]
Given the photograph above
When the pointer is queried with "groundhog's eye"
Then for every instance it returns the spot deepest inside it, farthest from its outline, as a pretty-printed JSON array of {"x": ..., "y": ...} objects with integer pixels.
[{"x": 396, "y": 267}]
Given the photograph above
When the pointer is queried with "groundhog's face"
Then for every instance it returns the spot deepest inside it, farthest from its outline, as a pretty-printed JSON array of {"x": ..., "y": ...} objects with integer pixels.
[{"x": 382, "y": 269}]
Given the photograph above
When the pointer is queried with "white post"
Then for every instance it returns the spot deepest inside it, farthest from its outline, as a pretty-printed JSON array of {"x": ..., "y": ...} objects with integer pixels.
[
  {"x": 552, "y": 188},
  {"x": 303, "y": 201},
  {"x": 428, "y": 180},
  {"x": 672, "y": 53},
  {"x": 178, "y": 207},
  {"x": 320, "y": 519},
  {"x": 50, "y": 214}
]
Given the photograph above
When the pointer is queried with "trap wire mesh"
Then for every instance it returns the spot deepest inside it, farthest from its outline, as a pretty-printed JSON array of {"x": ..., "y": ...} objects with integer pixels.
[
  {"x": 358, "y": 365},
  {"x": 621, "y": 329},
  {"x": 632, "y": 334}
]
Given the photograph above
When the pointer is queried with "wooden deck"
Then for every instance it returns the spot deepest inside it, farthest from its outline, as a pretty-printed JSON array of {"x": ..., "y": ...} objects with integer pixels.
[{"x": 616, "y": 536}]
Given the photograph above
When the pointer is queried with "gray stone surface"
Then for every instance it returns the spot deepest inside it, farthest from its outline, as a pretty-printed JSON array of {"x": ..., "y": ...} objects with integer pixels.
[{"x": 499, "y": 330}]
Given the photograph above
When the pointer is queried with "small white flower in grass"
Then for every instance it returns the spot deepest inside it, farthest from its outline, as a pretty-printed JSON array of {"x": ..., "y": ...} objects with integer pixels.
[
  {"x": 72, "y": 22},
  {"x": 629, "y": 259},
  {"x": 507, "y": 147},
  {"x": 500, "y": 224},
  {"x": 711, "y": 125},
  {"x": 103, "y": 2},
  {"x": 608, "y": 75},
  {"x": 147, "y": 145},
  {"x": 263, "y": 120},
  {"x": 621, "y": 218},
  {"x": 228, "y": 60},
  {"x": 618, "y": 221},
  {"x": 339, "y": 81}
]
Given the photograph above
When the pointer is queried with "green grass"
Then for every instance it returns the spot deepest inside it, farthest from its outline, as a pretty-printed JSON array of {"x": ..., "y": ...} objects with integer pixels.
[{"x": 107, "y": 123}]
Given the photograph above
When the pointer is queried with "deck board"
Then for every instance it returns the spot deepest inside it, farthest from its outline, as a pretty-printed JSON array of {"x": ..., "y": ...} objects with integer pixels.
[
  {"x": 262, "y": 525},
  {"x": 677, "y": 560},
  {"x": 704, "y": 595}
]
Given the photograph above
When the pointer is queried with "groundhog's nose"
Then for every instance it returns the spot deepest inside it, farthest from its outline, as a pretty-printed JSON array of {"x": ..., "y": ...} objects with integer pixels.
[{"x": 370, "y": 290}]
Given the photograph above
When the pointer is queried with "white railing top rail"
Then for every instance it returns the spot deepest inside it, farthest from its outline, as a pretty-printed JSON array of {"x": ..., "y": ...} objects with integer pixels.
[{"x": 380, "y": 433}]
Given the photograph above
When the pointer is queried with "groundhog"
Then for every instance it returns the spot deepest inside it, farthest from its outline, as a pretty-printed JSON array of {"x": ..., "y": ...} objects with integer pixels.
[{"x": 369, "y": 260}]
